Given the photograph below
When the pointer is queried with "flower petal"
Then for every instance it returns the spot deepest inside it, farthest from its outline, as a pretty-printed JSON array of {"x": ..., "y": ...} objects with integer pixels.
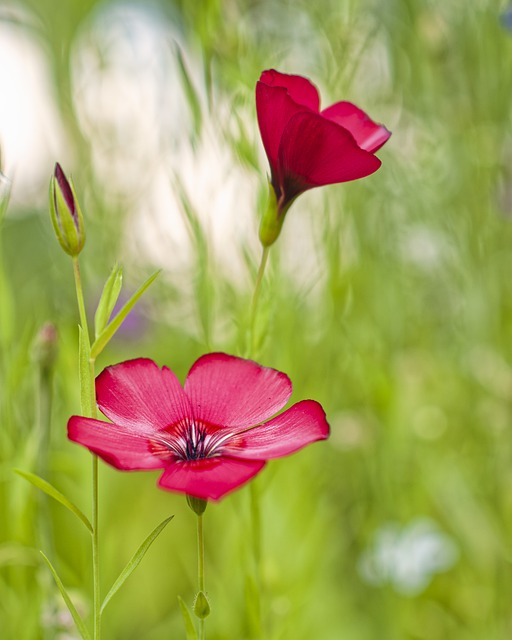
[
  {"x": 120, "y": 448},
  {"x": 210, "y": 478},
  {"x": 226, "y": 391},
  {"x": 300, "y": 89},
  {"x": 231, "y": 392},
  {"x": 279, "y": 97},
  {"x": 369, "y": 135},
  {"x": 290, "y": 431},
  {"x": 138, "y": 395},
  {"x": 315, "y": 151}
]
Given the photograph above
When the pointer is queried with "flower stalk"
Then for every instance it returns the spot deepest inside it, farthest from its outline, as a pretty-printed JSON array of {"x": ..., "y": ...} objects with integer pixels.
[
  {"x": 201, "y": 604},
  {"x": 251, "y": 346},
  {"x": 91, "y": 411}
]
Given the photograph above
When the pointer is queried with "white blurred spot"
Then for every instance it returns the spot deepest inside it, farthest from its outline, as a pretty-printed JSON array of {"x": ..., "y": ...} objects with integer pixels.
[
  {"x": 407, "y": 558},
  {"x": 29, "y": 129}
]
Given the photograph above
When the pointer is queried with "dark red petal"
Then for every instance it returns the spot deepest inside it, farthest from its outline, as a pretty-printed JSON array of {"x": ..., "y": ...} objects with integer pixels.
[
  {"x": 315, "y": 151},
  {"x": 65, "y": 188},
  {"x": 210, "y": 478},
  {"x": 369, "y": 135},
  {"x": 275, "y": 106},
  {"x": 297, "y": 427},
  {"x": 140, "y": 396},
  {"x": 300, "y": 89},
  {"x": 227, "y": 391},
  {"x": 122, "y": 449}
]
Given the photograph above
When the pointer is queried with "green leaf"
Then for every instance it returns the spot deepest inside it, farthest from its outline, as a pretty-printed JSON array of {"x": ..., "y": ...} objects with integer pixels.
[
  {"x": 187, "y": 619},
  {"x": 55, "y": 494},
  {"x": 80, "y": 625},
  {"x": 191, "y": 94},
  {"x": 108, "y": 299},
  {"x": 103, "y": 339},
  {"x": 84, "y": 373},
  {"x": 134, "y": 562}
]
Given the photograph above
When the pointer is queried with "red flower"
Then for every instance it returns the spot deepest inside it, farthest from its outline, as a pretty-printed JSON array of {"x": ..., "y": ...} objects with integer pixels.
[
  {"x": 209, "y": 437},
  {"x": 307, "y": 147}
]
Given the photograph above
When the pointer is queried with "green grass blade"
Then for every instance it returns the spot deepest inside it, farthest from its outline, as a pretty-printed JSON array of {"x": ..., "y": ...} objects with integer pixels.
[
  {"x": 190, "y": 629},
  {"x": 103, "y": 339},
  {"x": 108, "y": 299},
  {"x": 55, "y": 494},
  {"x": 135, "y": 561},
  {"x": 192, "y": 96},
  {"x": 80, "y": 625}
]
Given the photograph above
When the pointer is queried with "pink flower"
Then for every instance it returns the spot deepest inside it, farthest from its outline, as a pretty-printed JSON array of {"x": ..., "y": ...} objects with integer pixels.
[
  {"x": 210, "y": 436},
  {"x": 306, "y": 147}
]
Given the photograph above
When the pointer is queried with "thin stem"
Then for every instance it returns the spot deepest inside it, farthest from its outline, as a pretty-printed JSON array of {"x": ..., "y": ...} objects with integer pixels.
[
  {"x": 256, "y": 621},
  {"x": 92, "y": 411},
  {"x": 255, "y": 300},
  {"x": 200, "y": 568},
  {"x": 80, "y": 297}
]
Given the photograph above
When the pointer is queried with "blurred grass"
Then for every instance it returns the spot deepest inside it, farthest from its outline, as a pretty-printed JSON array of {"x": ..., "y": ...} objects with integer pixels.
[{"x": 388, "y": 300}]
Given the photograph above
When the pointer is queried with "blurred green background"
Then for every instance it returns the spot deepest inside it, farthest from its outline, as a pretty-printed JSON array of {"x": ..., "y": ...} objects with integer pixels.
[{"x": 389, "y": 300}]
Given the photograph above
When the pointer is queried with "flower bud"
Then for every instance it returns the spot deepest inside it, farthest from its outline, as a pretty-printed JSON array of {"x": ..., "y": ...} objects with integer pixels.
[
  {"x": 66, "y": 215},
  {"x": 273, "y": 218},
  {"x": 197, "y": 505},
  {"x": 201, "y": 606}
]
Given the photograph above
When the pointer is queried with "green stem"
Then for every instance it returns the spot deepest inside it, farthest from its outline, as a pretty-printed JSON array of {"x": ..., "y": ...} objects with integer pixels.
[
  {"x": 253, "y": 488},
  {"x": 255, "y": 300},
  {"x": 92, "y": 411},
  {"x": 200, "y": 567}
]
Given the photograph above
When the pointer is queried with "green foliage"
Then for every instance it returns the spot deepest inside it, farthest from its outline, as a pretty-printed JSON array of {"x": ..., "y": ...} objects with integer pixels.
[
  {"x": 108, "y": 299},
  {"x": 109, "y": 331},
  {"x": 56, "y": 495},
  {"x": 135, "y": 561},
  {"x": 80, "y": 625},
  {"x": 190, "y": 630}
]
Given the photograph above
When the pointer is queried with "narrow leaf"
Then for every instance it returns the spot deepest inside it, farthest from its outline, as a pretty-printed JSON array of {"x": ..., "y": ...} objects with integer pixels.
[
  {"x": 191, "y": 94},
  {"x": 135, "y": 561},
  {"x": 108, "y": 299},
  {"x": 103, "y": 339},
  {"x": 80, "y": 625},
  {"x": 55, "y": 494},
  {"x": 84, "y": 373},
  {"x": 190, "y": 629}
]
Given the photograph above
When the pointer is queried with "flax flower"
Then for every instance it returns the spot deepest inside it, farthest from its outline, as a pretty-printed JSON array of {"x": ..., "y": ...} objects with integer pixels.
[{"x": 210, "y": 436}]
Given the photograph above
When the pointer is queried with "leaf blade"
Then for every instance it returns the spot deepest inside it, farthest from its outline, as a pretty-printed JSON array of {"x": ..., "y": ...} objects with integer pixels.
[
  {"x": 108, "y": 332},
  {"x": 54, "y": 493},
  {"x": 80, "y": 625},
  {"x": 134, "y": 562},
  {"x": 190, "y": 628},
  {"x": 108, "y": 299}
]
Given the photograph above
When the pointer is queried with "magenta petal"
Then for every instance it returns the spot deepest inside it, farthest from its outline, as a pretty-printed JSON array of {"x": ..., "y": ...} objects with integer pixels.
[
  {"x": 300, "y": 89},
  {"x": 315, "y": 151},
  {"x": 226, "y": 391},
  {"x": 113, "y": 443},
  {"x": 274, "y": 107},
  {"x": 292, "y": 430},
  {"x": 369, "y": 135},
  {"x": 210, "y": 478},
  {"x": 138, "y": 395}
]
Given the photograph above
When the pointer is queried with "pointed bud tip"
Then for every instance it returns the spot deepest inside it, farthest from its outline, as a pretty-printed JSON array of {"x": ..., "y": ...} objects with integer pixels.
[{"x": 66, "y": 214}]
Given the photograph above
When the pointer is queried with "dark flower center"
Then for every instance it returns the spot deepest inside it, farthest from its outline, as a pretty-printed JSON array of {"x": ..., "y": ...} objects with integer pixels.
[{"x": 189, "y": 440}]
